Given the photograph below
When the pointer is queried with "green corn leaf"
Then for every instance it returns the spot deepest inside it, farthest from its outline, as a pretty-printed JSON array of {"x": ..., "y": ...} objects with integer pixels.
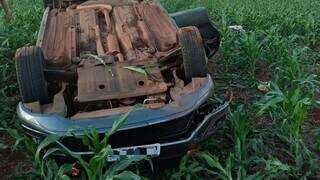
[
  {"x": 136, "y": 69},
  {"x": 273, "y": 165},
  {"x": 212, "y": 161},
  {"x": 49, "y": 152},
  {"x": 49, "y": 169},
  {"x": 122, "y": 165},
  {"x": 13, "y": 133},
  {"x": 46, "y": 142},
  {"x": 101, "y": 155},
  {"x": 126, "y": 175},
  {"x": 269, "y": 104},
  {"x": 118, "y": 123},
  {"x": 3, "y": 146},
  {"x": 95, "y": 57},
  {"x": 65, "y": 168},
  {"x": 121, "y": 119},
  {"x": 229, "y": 165},
  {"x": 94, "y": 139},
  {"x": 257, "y": 175},
  {"x": 85, "y": 140},
  {"x": 64, "y": 177},
  {"x": 100, "y": 60},
  {"x": 17, "y": 143},
  {"x": 16, "y": 135}
]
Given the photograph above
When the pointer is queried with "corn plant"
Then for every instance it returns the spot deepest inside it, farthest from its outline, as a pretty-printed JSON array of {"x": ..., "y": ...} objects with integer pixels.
[
  {"x": 188, "y": 169},
  {"x": 250, "y": 49},
  {"x": 276, "y": 46},
  {"x": 275, "y": 168},
  {"x": 240, "y": 128},
  {"x": 310, "y": 30},
  {"x": 96, "y": 167},
  {"x": 173, "y": 6},
  {"x": 215, "y": 167},
  {"x": 285, "y": 34},
  {"x": 20, "y": 140},
  {"x": 292, "y": 104},
  {"x": 292, "y": 107},
  {"x": 48, "y": 168}
]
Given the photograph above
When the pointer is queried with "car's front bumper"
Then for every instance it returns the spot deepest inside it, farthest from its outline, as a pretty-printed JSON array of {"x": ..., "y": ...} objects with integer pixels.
[
  {"x": 171, "y": 149},
  {"x": 176, "y": 127},
  {"x": 203, "y": 132}
]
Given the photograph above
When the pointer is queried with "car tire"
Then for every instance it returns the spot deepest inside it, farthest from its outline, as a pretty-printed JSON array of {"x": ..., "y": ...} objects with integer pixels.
[
  {"x": 30, "y": 75},
  {"x": 193, "y": 53},
  {"x": 199, "y": 17},
  {"x": 47, "y": 3}
]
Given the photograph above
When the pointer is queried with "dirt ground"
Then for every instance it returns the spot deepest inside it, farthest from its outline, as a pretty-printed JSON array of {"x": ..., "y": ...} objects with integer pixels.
[{"x": 10, "y": 160}]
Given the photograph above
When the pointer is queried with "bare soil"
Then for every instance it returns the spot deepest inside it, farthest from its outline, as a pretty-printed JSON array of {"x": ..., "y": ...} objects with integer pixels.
[{"x": 10, "y": 160}]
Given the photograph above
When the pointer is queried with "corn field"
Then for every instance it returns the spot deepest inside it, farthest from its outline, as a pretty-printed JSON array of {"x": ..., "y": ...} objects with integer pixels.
[{"x": 271, "y": 68}]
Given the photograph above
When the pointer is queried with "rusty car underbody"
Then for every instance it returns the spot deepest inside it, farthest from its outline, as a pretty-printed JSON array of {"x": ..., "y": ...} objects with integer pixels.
[
  {"x": 103, "y": 57},
  {"x": 95, "y": 47}
]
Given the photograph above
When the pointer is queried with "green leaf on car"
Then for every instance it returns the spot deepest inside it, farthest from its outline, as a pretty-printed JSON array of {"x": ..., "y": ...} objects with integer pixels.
[{"x": 136, "y": 69}]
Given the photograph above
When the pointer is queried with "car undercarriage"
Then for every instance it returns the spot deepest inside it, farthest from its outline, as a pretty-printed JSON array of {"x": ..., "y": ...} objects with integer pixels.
[
  {"x": 109, "y": 55},
  {"x": 95, "y": 60}
]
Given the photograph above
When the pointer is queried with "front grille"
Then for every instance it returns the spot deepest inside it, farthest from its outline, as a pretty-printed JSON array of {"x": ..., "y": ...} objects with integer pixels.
[{"x": 173, "y": 130}]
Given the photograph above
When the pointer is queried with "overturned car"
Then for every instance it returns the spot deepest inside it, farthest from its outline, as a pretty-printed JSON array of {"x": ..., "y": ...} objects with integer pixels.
[{"x": 94, "y": 60}]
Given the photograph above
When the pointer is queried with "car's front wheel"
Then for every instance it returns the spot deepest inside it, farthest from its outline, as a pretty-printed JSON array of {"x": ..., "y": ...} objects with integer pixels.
[
  {"x": 193, "y": 53},
  {"x": 30, "y": 75},
  {"x": 50, "y": 3},
  {"x": 47, "y": 3}
]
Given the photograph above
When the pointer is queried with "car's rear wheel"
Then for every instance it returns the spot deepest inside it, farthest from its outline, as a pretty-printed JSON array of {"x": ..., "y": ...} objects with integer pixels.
[
  {"x": 30, "y": 75},
  {"x": 47, "y": 3},
  {"x": 193, "y": 53}
]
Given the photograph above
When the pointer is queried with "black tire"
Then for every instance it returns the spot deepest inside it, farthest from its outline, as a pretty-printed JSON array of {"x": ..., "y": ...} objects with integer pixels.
[
  {"x": 30, "y": 75},
  {"x": 193, "y": 53},
  {"x": 199, "y": 17},
  {"x": 47, "y": 3}
]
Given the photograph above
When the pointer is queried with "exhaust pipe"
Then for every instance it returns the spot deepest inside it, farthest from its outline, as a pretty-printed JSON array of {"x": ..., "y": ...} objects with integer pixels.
[{"x": 4, "y": 5}]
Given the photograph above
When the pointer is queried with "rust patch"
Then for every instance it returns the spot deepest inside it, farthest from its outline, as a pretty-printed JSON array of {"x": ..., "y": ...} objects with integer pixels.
[
  {"x": 98, "y": 83},
  {"x": 165, "y": 37},
  {"x": 177, "y": 92},
  {"x": 94, "y": 6},
  {"x": 128, "y": 30},
  {"x": 108, "y": 112},
  {"x": 118, "y": 32}
]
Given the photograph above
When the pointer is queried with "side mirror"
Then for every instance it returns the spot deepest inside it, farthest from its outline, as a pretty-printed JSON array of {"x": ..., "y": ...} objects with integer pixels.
[
  {"x": 199, "y": 17},
  {"x": 5, "y": 7}
]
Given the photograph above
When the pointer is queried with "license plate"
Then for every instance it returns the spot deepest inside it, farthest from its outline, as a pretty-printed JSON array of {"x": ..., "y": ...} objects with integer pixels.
[{"x": 150, "y": 151}]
